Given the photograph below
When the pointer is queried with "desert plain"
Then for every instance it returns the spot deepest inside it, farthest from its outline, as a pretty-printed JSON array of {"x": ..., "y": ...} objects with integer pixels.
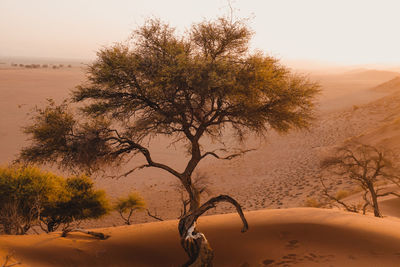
[{"x": 272, "y": 183}]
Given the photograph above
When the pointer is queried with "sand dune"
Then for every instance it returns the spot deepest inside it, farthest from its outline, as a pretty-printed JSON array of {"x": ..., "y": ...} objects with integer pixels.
[
  {"x": 292, "y": 237},
  {"x": 390, "y": 86},
  {"x": 387, "y": 134},
  {"x": 368, "y": 74}
]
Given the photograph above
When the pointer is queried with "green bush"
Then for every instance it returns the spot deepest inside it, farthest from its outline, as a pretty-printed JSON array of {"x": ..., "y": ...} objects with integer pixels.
[
  {"x": 29, "y": 196},
  {"x": 79, "y": 201},
  {"x": 128, "y": 205},
  {"x": 23, "y": 191}
]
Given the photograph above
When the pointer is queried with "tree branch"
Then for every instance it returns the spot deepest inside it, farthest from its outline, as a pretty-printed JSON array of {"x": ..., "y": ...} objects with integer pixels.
[
  {"x": 188, "y": 221},
  {"x": 229, "y": 157},
  {"x": 153, "y": 216},
  {"x": 98, "y": 235}
]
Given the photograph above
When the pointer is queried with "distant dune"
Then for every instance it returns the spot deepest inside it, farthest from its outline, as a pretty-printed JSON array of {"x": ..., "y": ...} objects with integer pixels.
[
  {"x": 290, "y": 237},
  {"x": 390, "y": 86},
  {"x": 387, "y": 134},
  {"x": 363, "y": 74}
]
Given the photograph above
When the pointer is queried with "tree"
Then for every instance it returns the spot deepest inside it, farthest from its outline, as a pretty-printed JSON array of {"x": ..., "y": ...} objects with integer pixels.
[
  {"x": 29, "y": 196},
  {"x": 78, "y": 201},
  {"x": 205, "y": 84},
  {"x": 23, "y": 193},
  {"x": 128, "y": 205},
  {"x": 366, "y": 166}
]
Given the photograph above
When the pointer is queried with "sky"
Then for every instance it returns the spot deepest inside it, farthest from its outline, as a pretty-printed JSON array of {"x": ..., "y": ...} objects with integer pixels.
[{"x": 345, "y": 32}]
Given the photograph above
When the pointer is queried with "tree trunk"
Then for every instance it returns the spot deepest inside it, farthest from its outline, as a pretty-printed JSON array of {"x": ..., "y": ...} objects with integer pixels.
[
  {"x": 374, "y": 201},
  {"x": 194, "y": 242}
]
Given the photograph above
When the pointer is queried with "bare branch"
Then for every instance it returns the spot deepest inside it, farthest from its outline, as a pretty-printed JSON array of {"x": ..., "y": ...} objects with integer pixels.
[
  {"x": 154, "y": 216},
  {"x": 186, "y": 222},
  {"x": 347, "y": 207},
  {"x": 229, "y": 157},
  {"x": 7, "y": 260},
  {"x": 98, "y": 235}
]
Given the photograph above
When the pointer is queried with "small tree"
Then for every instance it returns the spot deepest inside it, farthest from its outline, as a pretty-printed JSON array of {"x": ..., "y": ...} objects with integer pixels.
[
  {"x": 128, "y": 205},
  {"x": 206, "y": 84},
  {"x": 365, "y": 166},
  {"x": 78, "y": 201},
  {"x": 29, "y": 196},
  {"x": 23, "y": 193}
]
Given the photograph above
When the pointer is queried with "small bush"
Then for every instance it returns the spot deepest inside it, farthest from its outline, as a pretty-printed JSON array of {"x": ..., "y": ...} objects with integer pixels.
[
  {"x": 79, "y": 201},
  {"x": 23, "y": 192},
  {"x": 128, "y": 205},
  {"x": 342, "y": 194},
  {"x": 29, "y": 196},
  {"x": 313, "y": 203}
]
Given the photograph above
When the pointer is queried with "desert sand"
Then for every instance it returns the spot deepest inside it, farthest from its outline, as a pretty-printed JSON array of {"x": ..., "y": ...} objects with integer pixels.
[
  {"x": 284, "y": 170},
  {"x": 282, "y": 173},
  {"x": 292, "y": 237}
]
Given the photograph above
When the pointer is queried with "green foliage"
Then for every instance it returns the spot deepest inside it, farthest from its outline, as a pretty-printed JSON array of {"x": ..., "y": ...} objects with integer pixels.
[
  {"x": 128, "y": 205},
  {"x": 79, "y": 201},
  {"x": 29, "y": 195},
  {"x": 23, "y": 191}
]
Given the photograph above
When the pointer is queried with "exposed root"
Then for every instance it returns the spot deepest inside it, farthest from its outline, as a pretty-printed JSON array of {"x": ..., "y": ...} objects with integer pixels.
[
  {"x": 98, "y": 235},
  {"x": 194, "y": 242}
]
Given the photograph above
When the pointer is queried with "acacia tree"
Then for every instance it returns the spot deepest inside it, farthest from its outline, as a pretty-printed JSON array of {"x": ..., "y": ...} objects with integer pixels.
[
  {"x": 365, "y": 166},
  {"x": 203, "y": 84}
]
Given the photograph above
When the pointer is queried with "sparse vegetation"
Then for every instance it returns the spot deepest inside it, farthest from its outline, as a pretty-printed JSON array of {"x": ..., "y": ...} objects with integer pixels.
[
  {"x": 366, "y": 166},
  {"x": 313, "y": 203}
]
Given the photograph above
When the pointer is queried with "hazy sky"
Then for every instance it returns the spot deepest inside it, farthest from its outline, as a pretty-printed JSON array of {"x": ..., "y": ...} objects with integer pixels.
[{"x": 337, "y": 31}]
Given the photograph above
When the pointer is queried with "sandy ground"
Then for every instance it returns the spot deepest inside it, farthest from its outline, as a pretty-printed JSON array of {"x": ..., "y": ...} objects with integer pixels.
[{"x": 293, "y": 237}]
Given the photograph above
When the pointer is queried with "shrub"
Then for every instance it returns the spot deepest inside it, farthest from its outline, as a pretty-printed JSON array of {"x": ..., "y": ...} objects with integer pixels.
[
  {"x": 128, "y": 205},
  {"x": 313, "y": 203},
  {"x": 79, "y": 201},
  {"x": 29, "y": 196},
  {"x": 23, "y": 191},
  {"x": 342, "y": 194}
]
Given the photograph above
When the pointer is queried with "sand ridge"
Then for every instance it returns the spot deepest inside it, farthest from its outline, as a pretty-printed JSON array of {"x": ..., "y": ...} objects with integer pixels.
[{"x": 292, "y": 237}]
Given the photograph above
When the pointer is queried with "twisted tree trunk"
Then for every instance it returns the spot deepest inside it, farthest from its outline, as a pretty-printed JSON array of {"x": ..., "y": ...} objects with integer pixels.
[{"x": 194, "y": 242}]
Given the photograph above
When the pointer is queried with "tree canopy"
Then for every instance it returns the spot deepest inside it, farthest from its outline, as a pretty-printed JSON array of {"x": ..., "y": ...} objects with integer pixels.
[
  {"x": 206, "y": 83},
  {"x": 180, "y": 86}
]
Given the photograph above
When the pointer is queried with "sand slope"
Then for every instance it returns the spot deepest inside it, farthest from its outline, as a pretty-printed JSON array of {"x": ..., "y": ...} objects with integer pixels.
[
  {"x": 389, "y": 87},
  {"x": 287, "y": 237}
]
